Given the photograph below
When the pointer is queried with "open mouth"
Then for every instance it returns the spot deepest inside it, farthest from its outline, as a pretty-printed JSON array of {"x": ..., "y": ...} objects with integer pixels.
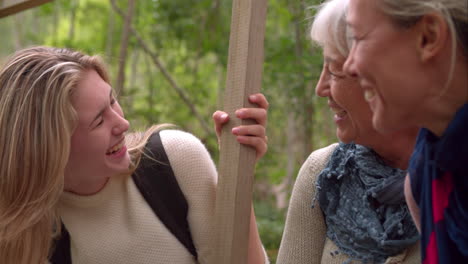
[
  {"x": 369, "y": 95},
  {"x": 116, "y": 148},
  {"x": 339, "y": 112}
]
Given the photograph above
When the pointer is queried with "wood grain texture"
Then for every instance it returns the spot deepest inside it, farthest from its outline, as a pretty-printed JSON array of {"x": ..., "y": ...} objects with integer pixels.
[
  {"x": 237, "y": 162},
  {"x": 10, "y": 7}
]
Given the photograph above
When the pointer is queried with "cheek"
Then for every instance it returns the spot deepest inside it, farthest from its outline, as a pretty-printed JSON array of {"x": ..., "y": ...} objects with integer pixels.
[
  {"x": 85, "y": 147},
  {"x": 77, "y": 151},
  {"x": 349, "y": 95},
  {"x": 78, "y": 141},
  {"x": 364, "y": 57},
  {"x": 360, "y": 112}
]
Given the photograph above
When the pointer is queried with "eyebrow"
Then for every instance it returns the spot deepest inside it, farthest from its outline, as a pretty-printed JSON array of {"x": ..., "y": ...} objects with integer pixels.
[
  {"x": 329, "y": 60},
  {"x": 101, "y": 111}
]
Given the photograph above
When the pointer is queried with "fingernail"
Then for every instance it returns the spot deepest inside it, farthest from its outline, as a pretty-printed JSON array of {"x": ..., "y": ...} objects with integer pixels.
[
  {"x": 252, "y": 97},
  {"x": 224, "y": 116},
  {"x": 239, "y": 113},
  {"x": 235, "y": 130}
]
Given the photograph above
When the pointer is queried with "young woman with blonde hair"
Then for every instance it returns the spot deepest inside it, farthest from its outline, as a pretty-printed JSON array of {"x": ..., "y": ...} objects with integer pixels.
[{"x": 66, "y": 159}]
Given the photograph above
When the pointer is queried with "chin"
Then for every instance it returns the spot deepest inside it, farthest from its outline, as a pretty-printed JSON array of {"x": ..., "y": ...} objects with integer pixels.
[
  {"x": 121, "y": 167},
  {"x": 344, "y": 138}
]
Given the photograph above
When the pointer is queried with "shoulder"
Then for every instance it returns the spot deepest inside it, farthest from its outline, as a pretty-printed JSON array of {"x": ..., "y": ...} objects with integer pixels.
[
  {"x": 319, "y": 158},
  {"x": 188, "y": 156},
  {"x": 314, "y": 164},
  {"x": 181, "y": 142}
]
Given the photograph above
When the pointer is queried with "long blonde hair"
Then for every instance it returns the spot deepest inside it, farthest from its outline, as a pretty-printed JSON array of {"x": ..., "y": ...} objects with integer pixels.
[{"x": 36, "y": 123}]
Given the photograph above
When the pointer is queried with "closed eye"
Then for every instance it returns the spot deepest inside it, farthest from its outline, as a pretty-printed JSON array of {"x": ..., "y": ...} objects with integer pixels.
[
  {"x": 100, "y": 122},
  {"x": 335, "y": 75}
]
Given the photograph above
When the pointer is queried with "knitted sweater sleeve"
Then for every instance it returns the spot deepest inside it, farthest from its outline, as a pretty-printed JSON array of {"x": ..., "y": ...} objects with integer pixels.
[
  {"x": 305, "y": 231},
  {"x": 197, "y": 178}
]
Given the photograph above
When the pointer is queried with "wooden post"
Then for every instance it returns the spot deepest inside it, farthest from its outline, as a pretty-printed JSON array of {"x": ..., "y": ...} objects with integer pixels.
[
  {"x": 237, "y": 162},
  {"x": 10, "y": 7}
]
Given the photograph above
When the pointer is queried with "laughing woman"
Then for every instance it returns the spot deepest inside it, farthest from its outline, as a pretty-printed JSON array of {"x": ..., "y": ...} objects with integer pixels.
[
  {"x": 411, "y": 58},
  {"x": 67, "y": 165},
  {"x": 347, "y": 203}
]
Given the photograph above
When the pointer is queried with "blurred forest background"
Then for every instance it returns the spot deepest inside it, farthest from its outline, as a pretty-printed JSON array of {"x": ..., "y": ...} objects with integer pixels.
[{"x": 168, "y": 62}]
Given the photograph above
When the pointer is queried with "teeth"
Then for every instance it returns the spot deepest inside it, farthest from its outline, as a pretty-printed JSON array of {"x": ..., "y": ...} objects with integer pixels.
[
  {"x": 339, "y": 112},
  {"x": 115, "y": 148},
  {"x": 369, "y": 94}
]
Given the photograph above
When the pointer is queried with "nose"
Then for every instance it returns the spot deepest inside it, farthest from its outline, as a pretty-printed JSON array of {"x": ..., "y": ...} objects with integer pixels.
[
  {"x": 121, "y": 125},
  {"x": 349, "y": 66},
  {"x": 323, "y": 86}
]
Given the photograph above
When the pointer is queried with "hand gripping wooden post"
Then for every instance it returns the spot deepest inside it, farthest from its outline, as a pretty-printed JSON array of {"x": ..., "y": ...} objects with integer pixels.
[{"x": 237, "y": 162}]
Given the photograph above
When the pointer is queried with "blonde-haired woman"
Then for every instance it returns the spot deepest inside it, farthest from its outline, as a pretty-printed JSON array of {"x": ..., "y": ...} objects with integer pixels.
[
  {"x": 66, "y": 159},
  {"x": 411, "y": 58},
  {"x": 347, "y": 205}
]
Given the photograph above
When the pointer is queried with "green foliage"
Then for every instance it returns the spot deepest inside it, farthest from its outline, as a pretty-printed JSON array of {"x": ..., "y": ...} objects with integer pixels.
[{"x": 270, "y": 223}]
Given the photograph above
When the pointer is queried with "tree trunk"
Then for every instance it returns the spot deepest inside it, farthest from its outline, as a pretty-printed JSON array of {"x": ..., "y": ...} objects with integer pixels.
[
  {"x": 134, "y": 68},
  {"x": 133, "y": 78},
  {"x": 291, "y": 150},
  {"x": 55, "y": 20},
  {"x": 110, "y": 34},
  {"x": 120, "y": 83},
  {"x": 152, "y": 90},
  {"x": 74, "y": 8},
  {"x": 17, "y": 31}
]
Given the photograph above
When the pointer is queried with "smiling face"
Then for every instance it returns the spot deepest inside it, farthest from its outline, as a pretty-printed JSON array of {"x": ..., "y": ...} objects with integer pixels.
[
  {"x": 386, "y": 59},
  {"x": 97, "y": 150},
  {"x": 352, "y": 114}
]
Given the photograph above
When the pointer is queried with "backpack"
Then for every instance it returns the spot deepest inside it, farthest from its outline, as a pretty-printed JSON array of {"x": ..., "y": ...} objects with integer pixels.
[{"x": 157, "y": 184}]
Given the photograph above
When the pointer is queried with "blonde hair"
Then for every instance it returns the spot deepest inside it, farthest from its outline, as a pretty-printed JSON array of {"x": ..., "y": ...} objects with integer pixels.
[
  {"x": 406, "y": 13},
  {"x": 36, "y": 123},
  {"x": 329, "y": 26},
  {"x": 136, "y": 142}
]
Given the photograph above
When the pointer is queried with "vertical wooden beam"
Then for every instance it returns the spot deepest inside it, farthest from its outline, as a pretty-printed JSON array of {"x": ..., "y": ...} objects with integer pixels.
[
  {"x": 10, "y": 7},
  {"x": 237, "y": 162}
]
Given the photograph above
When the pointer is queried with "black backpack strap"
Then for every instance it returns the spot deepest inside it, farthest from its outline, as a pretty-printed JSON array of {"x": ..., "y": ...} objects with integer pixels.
[
  {"x": 158, "y": 185},
  {"x": 62, "y": 253},
  {"x": 156, "y": 181}
]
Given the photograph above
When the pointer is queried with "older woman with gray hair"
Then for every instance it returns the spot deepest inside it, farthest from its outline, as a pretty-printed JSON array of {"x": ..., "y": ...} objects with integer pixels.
[{"x": 347, "y": 204}]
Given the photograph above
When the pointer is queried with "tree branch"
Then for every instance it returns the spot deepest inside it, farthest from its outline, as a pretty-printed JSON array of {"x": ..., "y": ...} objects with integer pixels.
[{"x": 154, "y": 57}]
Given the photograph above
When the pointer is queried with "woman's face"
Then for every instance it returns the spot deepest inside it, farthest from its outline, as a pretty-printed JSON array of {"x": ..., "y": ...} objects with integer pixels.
[
  {"x": 386, "y": 60},
  {"x": 353, "y": 116},
  {"x": 98, "y": 148}
]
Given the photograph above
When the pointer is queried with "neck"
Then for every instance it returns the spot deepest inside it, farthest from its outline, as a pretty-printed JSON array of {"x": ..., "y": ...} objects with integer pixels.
[
  {"x": 86, "y": 188},
  {"x": 396, "y": 148},
  {"x": 445, "y": 105}
]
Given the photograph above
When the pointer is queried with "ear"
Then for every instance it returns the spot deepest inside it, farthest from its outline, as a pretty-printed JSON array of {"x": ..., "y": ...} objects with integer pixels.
[{"x": 433, "y": 35}]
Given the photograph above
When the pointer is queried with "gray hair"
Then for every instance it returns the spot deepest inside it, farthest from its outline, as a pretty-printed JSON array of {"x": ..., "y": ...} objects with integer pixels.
[{"x": 329, "y": 26}]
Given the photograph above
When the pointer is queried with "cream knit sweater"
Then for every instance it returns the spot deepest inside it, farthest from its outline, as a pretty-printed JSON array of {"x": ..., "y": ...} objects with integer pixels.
[
  {"x": 117, "y": 226},
  {"x": 304, "y": 237}
]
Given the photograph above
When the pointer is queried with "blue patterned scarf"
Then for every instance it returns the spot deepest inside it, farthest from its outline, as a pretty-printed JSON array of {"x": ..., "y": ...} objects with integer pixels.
[{"x": 363, "y": 204}]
